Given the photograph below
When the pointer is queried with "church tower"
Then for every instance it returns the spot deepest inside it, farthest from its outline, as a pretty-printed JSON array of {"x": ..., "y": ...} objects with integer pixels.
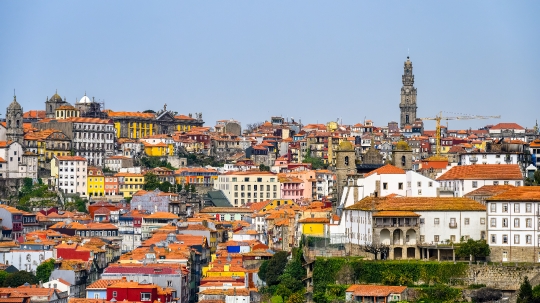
[
  {"x": 14, "y": 122},
  {"x": 407, "y": 105}
]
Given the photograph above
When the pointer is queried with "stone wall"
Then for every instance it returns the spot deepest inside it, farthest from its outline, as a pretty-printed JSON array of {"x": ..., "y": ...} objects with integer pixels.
[
  {"x": 515, "y": 254},
  {"x": 501, "y": 276}
]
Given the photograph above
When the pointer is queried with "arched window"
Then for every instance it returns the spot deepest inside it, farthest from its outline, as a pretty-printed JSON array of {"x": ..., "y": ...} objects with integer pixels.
[
  {"x": 17, "y": 123},
  {"x": 403, "y": 160},
  {"x": 50, "y": 108},
  {"x": 347, "y": 160}
]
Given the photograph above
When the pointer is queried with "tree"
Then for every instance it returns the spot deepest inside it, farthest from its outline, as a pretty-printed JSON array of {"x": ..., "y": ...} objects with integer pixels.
[
  {"x": 283, "y": 292},
  {"x": 43, "y": 271},
  {"x": 537, "y": 177},
  {"x": 377, "y": 249},
  {"x": 525, "y": 293},
  {"x": 165, "y": 186},
  {"x": 536, "y": 293},
  {"x": 151, "y": 181},
  {"x": 263, "y": 269},
  {"x": 477, "y": 249},
  {"x": 18, "y": 278},
  {"x": 294, "y": 284},
  {"x": 3, "y": 275},
  {"x": 149, "y": 111},
  {"x": 296, "y": 297},
  {"x": 276, "y": 266},
  {"x": 263, "y": 167},
  {"x": 316, "y": 163}
]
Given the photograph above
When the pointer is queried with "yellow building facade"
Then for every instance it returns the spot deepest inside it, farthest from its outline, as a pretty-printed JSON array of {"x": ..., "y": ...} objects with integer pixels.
[
  {"x": 96, "y": 182},
  {"x": 129, "y": 183}
]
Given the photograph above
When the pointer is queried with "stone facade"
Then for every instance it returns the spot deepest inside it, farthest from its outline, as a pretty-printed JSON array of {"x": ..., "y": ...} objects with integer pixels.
[
  {"x": 407, "y": 105},
  {"x": 514, "y": 254},
  {"x": 14, "y": 122},
  {"x": 345, "y": 164}
]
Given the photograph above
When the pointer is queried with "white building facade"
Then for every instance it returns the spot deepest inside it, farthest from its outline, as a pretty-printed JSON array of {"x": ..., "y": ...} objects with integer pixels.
[
  {"x": 71, "y": 174},
  {"x": 243, "y": 187}
]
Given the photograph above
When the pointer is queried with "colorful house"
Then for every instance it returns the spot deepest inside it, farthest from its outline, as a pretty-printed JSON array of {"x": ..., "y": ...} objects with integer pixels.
[{"x": 96, "y": 182}]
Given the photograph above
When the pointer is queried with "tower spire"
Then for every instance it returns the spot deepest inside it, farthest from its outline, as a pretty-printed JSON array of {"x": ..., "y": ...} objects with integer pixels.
[{"x": 407, "y": 105}]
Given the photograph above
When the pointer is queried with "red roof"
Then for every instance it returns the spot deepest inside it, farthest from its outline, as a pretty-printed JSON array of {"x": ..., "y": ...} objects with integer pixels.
[
  {"x": 483, "y": 172},
  {"x": 387, "y": 169},
  {"x": 375, "y": 290},
  {"x": 510, "y": 125}
]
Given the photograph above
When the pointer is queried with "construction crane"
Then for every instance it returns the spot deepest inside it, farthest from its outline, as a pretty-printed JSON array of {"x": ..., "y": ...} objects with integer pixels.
[{"x": 440, "y": 117}]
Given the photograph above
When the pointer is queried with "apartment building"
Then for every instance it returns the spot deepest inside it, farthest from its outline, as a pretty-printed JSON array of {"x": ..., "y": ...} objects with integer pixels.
[
  {"x": 250, "y": 186},
  {"x": 70, "y": 174}
]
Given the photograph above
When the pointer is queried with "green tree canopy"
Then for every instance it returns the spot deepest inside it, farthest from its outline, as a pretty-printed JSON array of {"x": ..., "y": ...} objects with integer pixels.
[
  {"x": 263, "y": 167},
  {"x": 166, "y": 186},
  {"x": 276, "y": 266},
  {"x": 283, "y": 291},
  {"x": 151, "y": 181},
  {"x": 18, "y": 278},
  {"x": 537, "y": 176},
  {"x": 525, "y": 293},
  {"x": 296, "y": 297},
  {"x": 43, "y": 271},
  {"x": 3, "y": 275},
  {"x": 263, "y": 270},
  {"x": 477, "y": 249}
]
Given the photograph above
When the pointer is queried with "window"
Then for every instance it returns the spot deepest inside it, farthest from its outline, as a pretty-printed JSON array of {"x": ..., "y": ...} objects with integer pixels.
[
  {"x": 419, "y": 192},
  {"x": 430, "y": 184},
  {"x": 528, "y": 239},
  {"x": 436, "y": 238},
  {"x": 516, "y": 208},
  {"x": 528, "y": 223},
  {"x": 506, "y": 182},
  {"x": 246, "y": 179},
  {"x": 114, "y": 294},
  {"x": 516, "y": 222},
  {"x": 96, "y": 296},
  {"x": 436, "y": 221},
  {"x": 505, "y": 239},
  {"x": 400, "y": 185},
  {"x": 516, "y": 239},
  {"x": 505, "y": 222},
  {"x": 419, "y": 184},
  {"x": 483, "y": 221},
  {"x": 528, "y": 207},
  {"x": 169, "y": 283},
  {"x": 495, "y": 182},
  {"x": 145, "y": 296},
  {"x": 474, "y": 184},
  {"x": 493, "y": 207},
  {"x": 493, "y": 239},
  {"x": 466, "y": 221},
  {"x": 422, "y": 220},
  {"x": 505, "y": 207},
  {"x": 422, "y": 238},
  {"x": 518, "y": 183},
  {"x": 385, "y": 185}
]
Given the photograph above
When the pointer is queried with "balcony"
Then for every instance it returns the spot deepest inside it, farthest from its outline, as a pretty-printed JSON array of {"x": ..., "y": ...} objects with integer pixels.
[
  {"x": 473, "y": 159},
  {"x": 452, "y": 225}
]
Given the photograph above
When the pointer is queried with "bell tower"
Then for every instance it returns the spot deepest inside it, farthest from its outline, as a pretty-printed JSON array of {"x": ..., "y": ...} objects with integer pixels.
[
  {"x": 407, "y": 105},
  {"x": 14, "y": 122}
]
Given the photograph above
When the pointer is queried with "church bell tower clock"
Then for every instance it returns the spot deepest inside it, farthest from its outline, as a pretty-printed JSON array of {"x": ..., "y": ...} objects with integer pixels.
[{"x": 407, "y": 105}]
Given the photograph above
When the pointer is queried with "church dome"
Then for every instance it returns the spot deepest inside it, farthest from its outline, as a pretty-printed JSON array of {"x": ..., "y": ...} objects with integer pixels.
[
  {"x": 346, "y": 145},
  {"x": 56, "y": 98},
  {"x": 15, "y": 104},
  {"x": 85, "y": 100},
  {"x": 402, "y": 145}
]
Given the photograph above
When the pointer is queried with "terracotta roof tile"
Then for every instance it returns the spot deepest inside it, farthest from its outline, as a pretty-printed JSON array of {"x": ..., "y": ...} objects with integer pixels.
[
  {"x": 522, "y": 193},
  {"x": 417, "y": 204},
  {"x": 483, "y": 172},
  {"x": 386, "y": 170}
]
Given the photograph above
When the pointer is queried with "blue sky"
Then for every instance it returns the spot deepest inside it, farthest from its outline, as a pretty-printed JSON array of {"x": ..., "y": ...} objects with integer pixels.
[{"x": 312, "y": 60}]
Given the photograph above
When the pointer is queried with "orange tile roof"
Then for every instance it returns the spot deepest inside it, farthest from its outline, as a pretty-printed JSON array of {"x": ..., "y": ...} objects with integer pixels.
[
  {"x": 161, "y": 215},
  {"x": 39, "y": 114},
  {"x": 483, "y": 172},
  {"x": 521, "y": 193},
  {"x": 131, "y": 114},
  {"x": 103, "y": 284},
  {"x": 490, "y": 190},
  {"x": 393, "y": 203},
  {"x": 395, "y": 213},
  {"x": 375, "y": 290},
  {"x": 386, "y": 170},
  {"x": 314, "y": 220},
  {"x": 507, "y": 125},
  {"x": 226, "y": 210}
]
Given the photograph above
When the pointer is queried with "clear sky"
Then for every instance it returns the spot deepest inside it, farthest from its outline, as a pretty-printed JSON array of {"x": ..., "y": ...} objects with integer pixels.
[{"x": 312, "y": 60}]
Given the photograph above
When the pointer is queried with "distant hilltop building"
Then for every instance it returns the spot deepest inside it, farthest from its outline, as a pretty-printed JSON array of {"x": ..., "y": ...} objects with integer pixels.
[{"x": 407, "y": 105}]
